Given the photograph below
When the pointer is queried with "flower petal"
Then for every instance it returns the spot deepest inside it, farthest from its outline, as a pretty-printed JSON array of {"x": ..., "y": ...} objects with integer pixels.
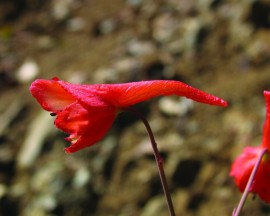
[
  {"x": 90, "y": 95},
  {"x": 51, "y": 96},
  {"x": 243, "y": 165},
  {"x": 242, "y": 168},
  {"x": 261, "y": 184},
  {"x": 128, "y": 94},
  {"x": 85, "y": 125},
  {"x": 266, "y": 131}
]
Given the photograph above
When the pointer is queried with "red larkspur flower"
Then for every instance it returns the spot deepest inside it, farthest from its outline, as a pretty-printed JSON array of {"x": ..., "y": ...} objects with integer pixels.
[
  {"x": 243, "y": 165},
  {"x": 87, "y": 112}
]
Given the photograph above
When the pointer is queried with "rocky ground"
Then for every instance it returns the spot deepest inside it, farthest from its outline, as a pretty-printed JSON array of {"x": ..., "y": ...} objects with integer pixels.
[{"x": 219, "y": 46}]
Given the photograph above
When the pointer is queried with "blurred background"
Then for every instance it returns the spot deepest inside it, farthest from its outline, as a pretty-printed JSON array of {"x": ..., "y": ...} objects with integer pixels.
[{"x": 219, "y": 46}]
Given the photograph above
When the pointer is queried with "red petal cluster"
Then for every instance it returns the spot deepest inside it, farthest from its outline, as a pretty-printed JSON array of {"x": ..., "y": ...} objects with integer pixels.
[
  {"x": 243, "y": 165},
  {"x": 87, "y": 112}
]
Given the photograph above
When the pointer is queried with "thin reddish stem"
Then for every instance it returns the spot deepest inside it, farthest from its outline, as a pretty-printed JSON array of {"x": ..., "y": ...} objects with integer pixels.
[
  {"x": 158, "y": 159},
  {"x": 239, "y": 208}
]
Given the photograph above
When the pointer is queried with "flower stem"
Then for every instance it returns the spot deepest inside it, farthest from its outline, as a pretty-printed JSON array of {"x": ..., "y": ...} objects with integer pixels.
[
  {"x": 237, "y": 210},
  {"x": 158, "y": 159}
]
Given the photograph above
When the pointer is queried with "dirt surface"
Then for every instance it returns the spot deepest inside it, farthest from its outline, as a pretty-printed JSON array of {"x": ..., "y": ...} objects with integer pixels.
[{"x": 222, "y": 47}]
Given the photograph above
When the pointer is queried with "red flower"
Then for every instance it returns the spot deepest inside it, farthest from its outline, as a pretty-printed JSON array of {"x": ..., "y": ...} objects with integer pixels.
[
  {"x": 243, "y": 165},
  {"x": 87, "y": 112}
]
